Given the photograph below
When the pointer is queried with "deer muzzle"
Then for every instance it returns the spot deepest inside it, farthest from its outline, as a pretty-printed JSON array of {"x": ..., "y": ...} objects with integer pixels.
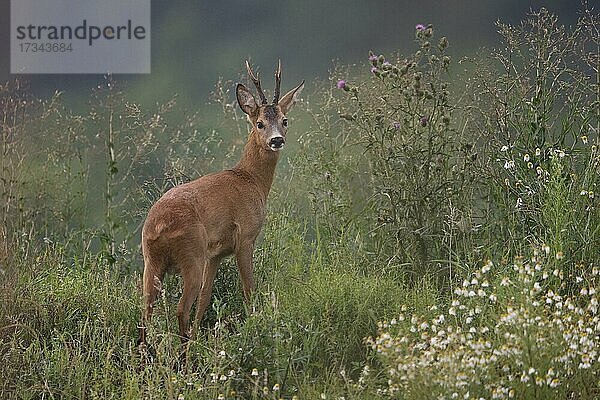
[{"x": 276, "y": 142}]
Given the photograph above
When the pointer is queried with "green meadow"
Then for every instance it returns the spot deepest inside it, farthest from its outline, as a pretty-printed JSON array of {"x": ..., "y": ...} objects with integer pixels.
[{"x": 433, "y": 232}]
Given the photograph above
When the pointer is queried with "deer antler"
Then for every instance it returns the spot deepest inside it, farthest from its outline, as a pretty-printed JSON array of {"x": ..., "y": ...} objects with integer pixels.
[
  {"x": 277, "y": 83},
  {"x": 256, "y": 81}
]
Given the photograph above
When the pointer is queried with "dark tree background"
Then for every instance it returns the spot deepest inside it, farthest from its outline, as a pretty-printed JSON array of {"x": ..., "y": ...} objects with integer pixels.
[{"x": 194, "y": 42}]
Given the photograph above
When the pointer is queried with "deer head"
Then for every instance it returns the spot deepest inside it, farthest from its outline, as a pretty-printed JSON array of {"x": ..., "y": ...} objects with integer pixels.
[{"x": 268, "y": 120}]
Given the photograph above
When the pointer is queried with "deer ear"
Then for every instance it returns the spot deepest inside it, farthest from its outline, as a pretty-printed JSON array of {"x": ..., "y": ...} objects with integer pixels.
[
  {"x": 246, "y": 100},
  {"x": 290, "y": 98}
]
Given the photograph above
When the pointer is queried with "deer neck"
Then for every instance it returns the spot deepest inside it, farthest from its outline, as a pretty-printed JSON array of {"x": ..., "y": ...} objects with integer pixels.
[{"x": 259, "y": 163}]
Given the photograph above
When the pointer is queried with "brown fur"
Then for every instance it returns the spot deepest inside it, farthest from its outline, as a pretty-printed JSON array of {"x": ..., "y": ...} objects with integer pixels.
[{"x": 192, "y": 227}]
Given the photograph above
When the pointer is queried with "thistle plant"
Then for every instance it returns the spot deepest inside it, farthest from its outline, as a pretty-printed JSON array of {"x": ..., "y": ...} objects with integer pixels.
[{"x": 420, "y": 164}]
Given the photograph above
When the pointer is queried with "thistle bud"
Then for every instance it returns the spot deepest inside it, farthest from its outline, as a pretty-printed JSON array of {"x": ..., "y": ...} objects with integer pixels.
[
  {"x": 443, "y": 44},
  {"x": 446, "y": 61}
]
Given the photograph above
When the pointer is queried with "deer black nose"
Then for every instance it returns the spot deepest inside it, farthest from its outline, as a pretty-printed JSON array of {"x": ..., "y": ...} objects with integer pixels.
[{"x": 276, "y": 142}]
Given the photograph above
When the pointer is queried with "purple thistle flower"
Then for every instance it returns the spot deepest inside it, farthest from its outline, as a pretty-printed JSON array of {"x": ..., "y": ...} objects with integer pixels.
[
  {"x": 424, "y": 121},
  {"x": 373, "y": 69},
  {"x": 341, "y": 84},
  {"x": 386, "y": 64},
  {"x": 420, "y": 27},
  {"x": 373, "y": 58},
  {"x": 396, "y": 125}
]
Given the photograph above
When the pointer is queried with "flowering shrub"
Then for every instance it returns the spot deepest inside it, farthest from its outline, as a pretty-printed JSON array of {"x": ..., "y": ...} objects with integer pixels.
[
  {"x": 517, "y": 335},
  {"x": 549, "y": 196},
  {"x": 538, "y": 105}
]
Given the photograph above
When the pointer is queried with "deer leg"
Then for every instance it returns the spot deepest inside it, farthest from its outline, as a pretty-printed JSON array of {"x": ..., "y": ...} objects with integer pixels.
[
  {"x": 153, "y": 276},
  {"x": 208, "y": 279},
  {"x": 192, "y": 282},
  {"x": 243, "y": 258}
]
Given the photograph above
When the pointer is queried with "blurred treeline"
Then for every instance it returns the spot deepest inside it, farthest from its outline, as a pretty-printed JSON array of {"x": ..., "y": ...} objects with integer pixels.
[{"x": 194, "y": 42}]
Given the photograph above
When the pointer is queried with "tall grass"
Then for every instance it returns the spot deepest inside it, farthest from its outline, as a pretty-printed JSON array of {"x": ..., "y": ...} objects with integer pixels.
[{"x": 432, "y": 234}]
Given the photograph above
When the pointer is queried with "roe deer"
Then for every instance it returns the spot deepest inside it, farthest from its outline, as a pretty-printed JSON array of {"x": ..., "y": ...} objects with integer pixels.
[{"x": 194, "y": 225}]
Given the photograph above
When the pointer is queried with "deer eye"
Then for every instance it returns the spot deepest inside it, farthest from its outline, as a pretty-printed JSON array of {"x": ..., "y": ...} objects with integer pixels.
[
  {"x": 260, "y": 125},
  {"x": 284, "y": 122}
]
